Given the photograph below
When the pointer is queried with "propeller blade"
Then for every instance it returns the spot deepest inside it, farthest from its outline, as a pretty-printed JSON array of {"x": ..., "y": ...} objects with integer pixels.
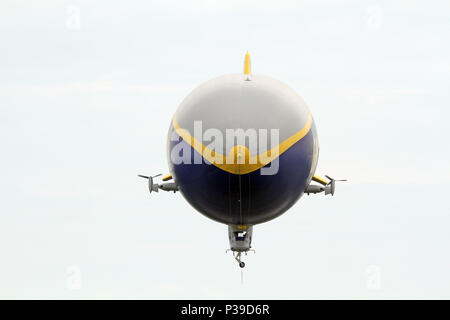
[
  {"x": 147, "y": 177},
  {"x": 330, "y": 178}
]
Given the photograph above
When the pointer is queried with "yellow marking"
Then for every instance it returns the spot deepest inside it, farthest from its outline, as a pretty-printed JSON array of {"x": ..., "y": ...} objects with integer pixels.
[
  {"x": 247, "y": 64},
  {"x": 242, "y": 227},
  {"x": 320, "y": 180},
  {"x": 167, "y": 177},
  {"x": 239, "y": 161}
]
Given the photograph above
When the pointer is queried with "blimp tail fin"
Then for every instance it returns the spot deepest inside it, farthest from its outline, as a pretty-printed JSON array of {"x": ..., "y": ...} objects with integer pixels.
[
  {"x": 247, "y": 64},
  {"x": 247, "y": 67}
]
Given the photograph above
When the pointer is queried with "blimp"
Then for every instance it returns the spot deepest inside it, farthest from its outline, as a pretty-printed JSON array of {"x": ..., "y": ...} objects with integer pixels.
[{"x": 242, "y": 149}]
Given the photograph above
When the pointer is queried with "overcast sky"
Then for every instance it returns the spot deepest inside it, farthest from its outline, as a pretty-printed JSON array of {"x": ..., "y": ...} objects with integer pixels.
[{"x": 87, "y": 92}]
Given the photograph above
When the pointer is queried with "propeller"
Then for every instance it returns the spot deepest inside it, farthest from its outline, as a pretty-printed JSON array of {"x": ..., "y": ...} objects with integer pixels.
[
  {"x": 332, "y": 185},
  {"x": 151, "y": 186}
]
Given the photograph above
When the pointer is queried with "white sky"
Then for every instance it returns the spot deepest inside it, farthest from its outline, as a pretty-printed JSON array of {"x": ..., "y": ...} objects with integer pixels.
[{"x": 86, "y": 109}]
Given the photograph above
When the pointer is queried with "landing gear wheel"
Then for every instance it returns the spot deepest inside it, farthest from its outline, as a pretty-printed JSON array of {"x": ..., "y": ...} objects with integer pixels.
[{"x": 241, "y": 264}]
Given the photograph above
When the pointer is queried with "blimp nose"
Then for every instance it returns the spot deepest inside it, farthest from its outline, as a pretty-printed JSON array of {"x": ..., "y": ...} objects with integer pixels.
[
  {"x": 239, "y": 160},
  {"x": 238, "y": 155}
]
